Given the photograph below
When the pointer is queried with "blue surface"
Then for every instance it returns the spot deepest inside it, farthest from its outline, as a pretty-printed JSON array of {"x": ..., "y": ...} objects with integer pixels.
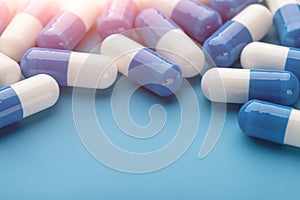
[
  {"x": 287, "y": 20},
  {"x": 264, "y": 120},
  {"x": 274, "y": 86},
  {"x": 293, "y": 62},
  {"x": 41, "y": 61},
  {"x": 226, "y": 44},
  {"x": 11, "y": 110},
  {"x": 42, "y": 157}
]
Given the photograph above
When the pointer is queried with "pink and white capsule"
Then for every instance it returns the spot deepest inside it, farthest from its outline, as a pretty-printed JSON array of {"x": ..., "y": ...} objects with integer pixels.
[
  {"x": 23, "y": 31},
  {"x": 7, "y": 10},
  {"x": 70, "y": 25}
]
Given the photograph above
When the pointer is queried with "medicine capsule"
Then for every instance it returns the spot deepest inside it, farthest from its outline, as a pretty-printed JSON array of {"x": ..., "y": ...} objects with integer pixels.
[
  {"x": 70, "y": 25},
  {"x": 70, "y": 68},
  {"x": 226, "y": 85},
  {"x": 118, "y": 17},
  {"x": 22, "y": 32},
  {"x": 7, "y": 11},
  {"x": 229, "y": 8},
  {"x": 142, "y": 65},
  {"x": 159, "y": 32},
  {"x": 287, "y": 20},
  {"x": 270, "y": 122},
  {"x": 225, "y": 46},
  {"x": 196, "y": 19},
  {"x": 26, "y": 98},
  {"x": 259, "y": 55},
  {"x": 10, "y": 71}
]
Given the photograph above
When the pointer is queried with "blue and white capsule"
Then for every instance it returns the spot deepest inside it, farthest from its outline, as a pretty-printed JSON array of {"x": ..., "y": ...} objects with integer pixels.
[
  {"x": 229, "y": 8},
  {"x": 225, "y": 46},
  {"x": 259, "y": 55},
  {"x": 142, "y": 65},
  {"x": 26, "y": 98},
  {"x": 196, "y": 19},
  {"x": 227, "y": 85},
  {"x": 287, "y": 19},
  {"x": 270, "y": 122},
  {"x": 159, "y": 31},
  {"x": 70, "y": 68}
]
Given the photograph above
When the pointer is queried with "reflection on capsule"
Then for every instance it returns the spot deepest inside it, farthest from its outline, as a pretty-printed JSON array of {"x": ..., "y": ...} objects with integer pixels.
[
  {"x": 227, "y": 85},
  {"x": 70, "y": 68},
  {"x": 159, "y": 32},
  {"x": 225, "y": 46},
  {"x": 22, "y": 32},
  {"x": 118, "y": 17},
  {"x": 259, "y": 55},
  {"x": 229, "y": 8},
  {"x": 142, "y": 65},
  {"x": 26, "y": 98},
  {"x": 70, "y": 25},
  {"x": 287, "y": 19},
  {"x": 270, "y": 122},
  {"x": 196, "y": 19}
]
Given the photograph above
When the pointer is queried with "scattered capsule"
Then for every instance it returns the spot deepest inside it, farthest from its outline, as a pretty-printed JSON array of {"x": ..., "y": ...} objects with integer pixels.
[
  {"x": 7, "y": 10},
  {"x": 10, "y": 71},
  {"x": 229, "y": 8},
  {"x": 142, "y": 65},
  {"x": 270, "y": 122},
  {"x": 225, "y": 85},
  {"x": 70, "y": 25},
  {"x": 70, "y": 68},
  {"x": 225, "y": 46},
  {"x": 158, "y": 31},
  {"x": 118, "y": 17},
  {"x": 287, "y": 20},
  {"x": 259, "y": 55},
  {"x": 26, "y": 98},
  {"x": 196, "y": 19},
  {"x": 22, "y": 32}
]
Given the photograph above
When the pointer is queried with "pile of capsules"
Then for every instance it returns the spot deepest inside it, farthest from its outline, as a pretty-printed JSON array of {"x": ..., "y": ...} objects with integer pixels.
[{"x": 37, "y": 42}]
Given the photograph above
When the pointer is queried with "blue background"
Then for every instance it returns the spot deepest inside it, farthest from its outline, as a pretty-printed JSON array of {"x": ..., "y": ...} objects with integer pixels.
[{"x": 42, "y": 157}]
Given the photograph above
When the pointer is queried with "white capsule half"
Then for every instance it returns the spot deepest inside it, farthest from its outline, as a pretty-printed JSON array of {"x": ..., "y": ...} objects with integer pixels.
[{"x": 10, "y": 71}]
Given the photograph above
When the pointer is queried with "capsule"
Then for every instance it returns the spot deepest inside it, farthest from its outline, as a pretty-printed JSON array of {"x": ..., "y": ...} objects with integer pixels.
[
  {"x": 158, "y": 31},
  {"x": 142, "y": 65},
  {"x": 196, "y": 19},
  {"x": 225, "y": 85},
  {"x": 7, "y": 11},
  {"x": 10, "y": 71},
  {"x": 225, "y": 46},
  {"x": 26, "y": 98},
  {"x": 287, "y": 20},
  {"x": 259, "y": 55},
  {"x": 70, "y": 68},
  {"x": 70, "y": 25},
  {"x": 270, "y": 122},
  {"x": 118, "y": 17},
  {"x": 205, "y": 2},
  {"x": 229, "y": 8},
  {"x": 22, "y": 32}
]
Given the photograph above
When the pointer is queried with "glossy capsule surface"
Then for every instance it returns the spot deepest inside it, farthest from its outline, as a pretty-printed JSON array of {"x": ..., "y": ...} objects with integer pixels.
[
  {"x": 26, "y": 98},
  {"x": 142, "y": 65},
  {"x": 270, "y": 122},
  {"x": 226, "y": 85},
  {"x": 159, "y": 32},
  {"x": 70, "y": 68}
]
